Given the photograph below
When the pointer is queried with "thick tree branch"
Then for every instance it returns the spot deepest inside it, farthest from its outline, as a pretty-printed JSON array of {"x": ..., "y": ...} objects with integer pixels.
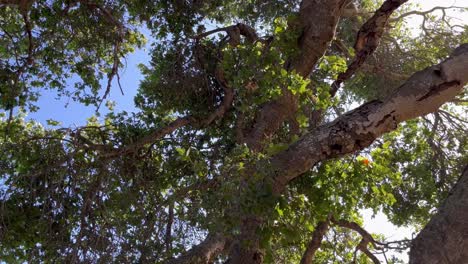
[
  {"x": 445, "y": 237},
  {"x": 362, "y": 246},
  {"x": 234, "y": 33},
  {"x": 356, "y": 227},
  {"x": 422, "y": 93},
  {"x": 316, "y": 242},
  {"x": 317, "y": 32},
  {"x": 370, "y": 68},
  {"x": 157, "y": 134},
  {"x": 204, "y": 252},
  {"x": 368, "y": 39},
  {"x": 149, "y": 139},
  {"x": 245, "y": 249}
]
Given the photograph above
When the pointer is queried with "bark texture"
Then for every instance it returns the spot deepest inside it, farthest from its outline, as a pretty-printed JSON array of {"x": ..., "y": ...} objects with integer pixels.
[
  {"x": 422, "y": 93},
  {"x": 246, "y": 248},
  {"x": 444, "y": 240}
]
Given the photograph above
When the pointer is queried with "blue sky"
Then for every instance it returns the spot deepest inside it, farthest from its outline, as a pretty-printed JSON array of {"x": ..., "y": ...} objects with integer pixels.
[{"x": 71, "y": 113}]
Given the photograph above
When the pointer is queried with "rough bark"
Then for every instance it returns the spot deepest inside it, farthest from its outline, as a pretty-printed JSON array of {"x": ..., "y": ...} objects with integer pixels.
[
  {"x": 318, "y": 31},
  {"x": 444, "y": 240},
  {"x": 422, "y": 93},
  {"x": 241, "y": 254}
]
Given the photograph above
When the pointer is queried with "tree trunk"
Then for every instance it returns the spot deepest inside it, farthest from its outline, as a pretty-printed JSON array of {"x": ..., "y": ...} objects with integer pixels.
[
  {"x": 445, "y": 237},
  {"x": 246, "y": 249},
  {"x": 243, "y": 255}
]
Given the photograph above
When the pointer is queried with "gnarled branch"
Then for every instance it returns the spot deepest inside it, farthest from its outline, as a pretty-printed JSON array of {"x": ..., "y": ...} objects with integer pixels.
[
  {"x": 423, "y": 93},
  {"x": 367, "y": 41},
  {"x": 234, "y": 32}
]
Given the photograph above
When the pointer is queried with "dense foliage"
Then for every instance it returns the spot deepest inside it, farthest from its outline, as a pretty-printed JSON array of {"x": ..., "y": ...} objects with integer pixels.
[{"x": 144, "y": 187}]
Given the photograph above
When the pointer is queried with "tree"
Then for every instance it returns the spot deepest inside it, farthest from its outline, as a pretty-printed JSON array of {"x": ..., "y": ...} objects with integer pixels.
[
  {"x": 247, "y": 147},
  {"x": 443, "y": 240}
]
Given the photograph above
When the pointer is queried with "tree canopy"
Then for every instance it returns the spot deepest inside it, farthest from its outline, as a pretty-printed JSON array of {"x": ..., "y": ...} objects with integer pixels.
[{"x": 263, "y": 130}]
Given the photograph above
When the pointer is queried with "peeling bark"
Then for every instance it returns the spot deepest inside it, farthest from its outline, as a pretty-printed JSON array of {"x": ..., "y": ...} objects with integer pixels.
[
  {"x": 367, "y": 41},
  {"x": 370, "y": 33},
  {"x": 422, "y": 93},
  {"x": 444, "y": 240}
]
